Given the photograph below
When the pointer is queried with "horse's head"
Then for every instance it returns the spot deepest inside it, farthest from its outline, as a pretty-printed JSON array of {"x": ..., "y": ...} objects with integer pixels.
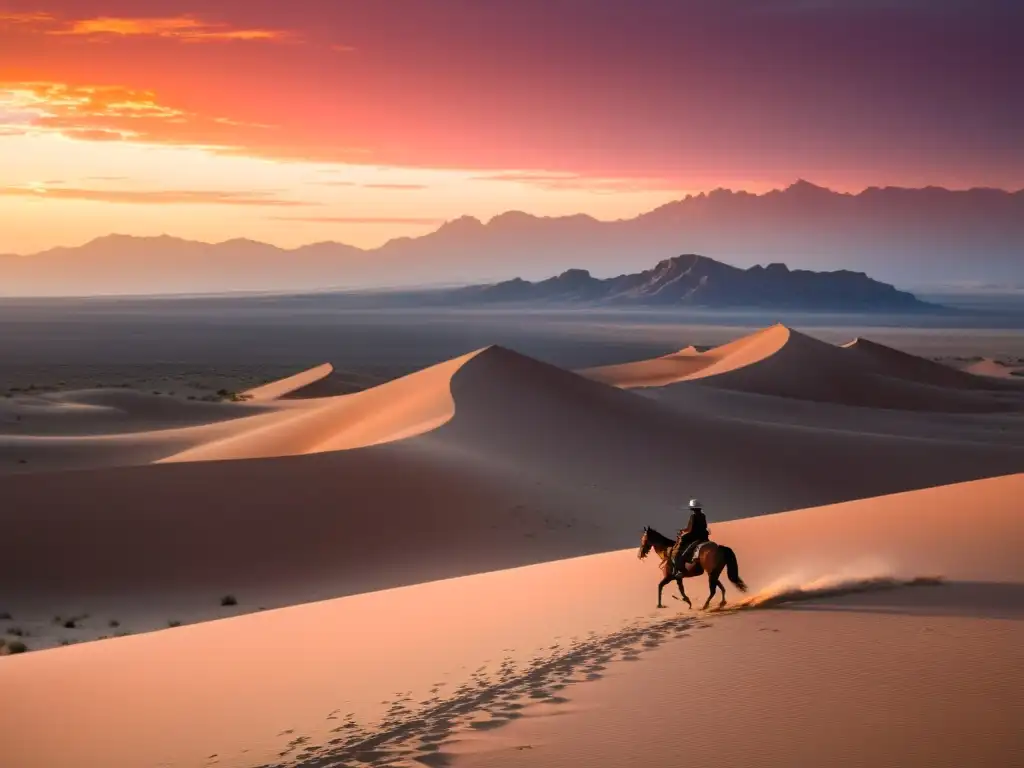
[{"x": 645, "y": 543}]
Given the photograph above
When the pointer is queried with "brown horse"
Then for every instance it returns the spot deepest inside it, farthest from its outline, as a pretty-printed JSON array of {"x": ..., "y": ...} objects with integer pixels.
[{"x": 713, "y": 558}]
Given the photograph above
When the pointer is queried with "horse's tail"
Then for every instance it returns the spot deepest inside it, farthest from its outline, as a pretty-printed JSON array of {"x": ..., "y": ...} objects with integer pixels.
[{"x": 732, "y": 568}]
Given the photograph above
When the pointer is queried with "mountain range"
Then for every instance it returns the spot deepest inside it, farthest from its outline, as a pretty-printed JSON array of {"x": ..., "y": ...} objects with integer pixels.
[
  {"x": 696, "y": 281},
  {"x": 910, "y": 237}
]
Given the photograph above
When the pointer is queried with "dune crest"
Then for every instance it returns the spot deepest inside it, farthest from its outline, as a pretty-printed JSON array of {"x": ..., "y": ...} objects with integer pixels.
[
  {"x": 892, "y": 362},
  {"x": 782, "y": 362},
  {"x": 411, "y": 405},
  {"x": 691, "y": 363},
  {"x": 289, "y": 385}
]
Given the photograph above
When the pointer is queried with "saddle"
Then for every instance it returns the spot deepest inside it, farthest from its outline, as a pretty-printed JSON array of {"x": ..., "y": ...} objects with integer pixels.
[{"x": 692, "y": 552}]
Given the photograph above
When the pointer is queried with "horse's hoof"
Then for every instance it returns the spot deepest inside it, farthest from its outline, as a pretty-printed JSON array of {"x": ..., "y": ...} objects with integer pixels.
[{"x": 660, "y": 605}]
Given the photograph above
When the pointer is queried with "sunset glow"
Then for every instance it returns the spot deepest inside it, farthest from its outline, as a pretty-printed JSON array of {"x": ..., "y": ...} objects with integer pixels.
[{"x": 358, "y": 122}]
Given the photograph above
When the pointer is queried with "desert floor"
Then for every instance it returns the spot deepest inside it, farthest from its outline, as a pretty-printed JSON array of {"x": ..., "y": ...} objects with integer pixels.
[{"x": 381, "y": 553}]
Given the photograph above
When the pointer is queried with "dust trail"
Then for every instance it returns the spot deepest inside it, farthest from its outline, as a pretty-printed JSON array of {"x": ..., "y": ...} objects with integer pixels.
[{"x": 790, "y": 590}]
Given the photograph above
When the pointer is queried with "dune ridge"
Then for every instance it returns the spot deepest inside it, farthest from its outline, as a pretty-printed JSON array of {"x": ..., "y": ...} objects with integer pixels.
[
  {"x": 781, "y": 362},
  {"x": 405, "y": 407},
  {"x": 290, "y": 385},
  {"x": 78, "y": 430}
]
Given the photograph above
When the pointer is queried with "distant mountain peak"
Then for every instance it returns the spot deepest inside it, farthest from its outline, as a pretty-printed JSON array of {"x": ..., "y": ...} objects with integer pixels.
[
  {"x": 692, "y": 280},
  {"x": 802, "y": 186},
  {"x": 461, "y": 224}
]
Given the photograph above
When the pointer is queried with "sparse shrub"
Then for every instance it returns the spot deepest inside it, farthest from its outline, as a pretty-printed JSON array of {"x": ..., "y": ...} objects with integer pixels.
[
  {"x": 173, "y": 623},
  {"x": 224, "y": 393},
  {"x": 11, "y": 648},
  {"x": 58, "y": 620},
  {"x": 70, "y": 624},
  {"x": 16, "y": 631},
  {"x": 5, "y": 616},
  {"x": 123, "y": 633},
  {"x": 114, "y": 623},
  {"x": 229, "y": 600}
]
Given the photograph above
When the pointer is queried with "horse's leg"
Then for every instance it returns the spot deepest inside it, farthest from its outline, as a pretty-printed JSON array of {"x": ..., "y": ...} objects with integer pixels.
[
  {"x": 711, "y": 585},
  {"x": 666, "y": 572},
  {"x": 661, "y": 586},
  {"x": 721, "y": 586},
  {"x": 679, "y": 582}
]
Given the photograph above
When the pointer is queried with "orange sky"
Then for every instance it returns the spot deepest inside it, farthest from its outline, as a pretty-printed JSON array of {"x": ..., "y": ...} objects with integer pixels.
[{"x": 364, "y": 121}]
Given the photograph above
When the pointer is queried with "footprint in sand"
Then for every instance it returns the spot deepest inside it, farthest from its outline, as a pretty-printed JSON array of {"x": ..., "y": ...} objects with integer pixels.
[{"x": 488, "y": 725}]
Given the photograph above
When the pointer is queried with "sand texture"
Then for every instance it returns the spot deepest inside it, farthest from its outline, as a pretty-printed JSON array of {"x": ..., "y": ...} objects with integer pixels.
[
  {"x": 440, "y": 569},
  {"x": 849, "y": 646}
]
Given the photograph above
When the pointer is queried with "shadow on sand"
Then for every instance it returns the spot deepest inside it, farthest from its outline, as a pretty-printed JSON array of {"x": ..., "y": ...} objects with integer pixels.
[{"x": 418, "y": 732}]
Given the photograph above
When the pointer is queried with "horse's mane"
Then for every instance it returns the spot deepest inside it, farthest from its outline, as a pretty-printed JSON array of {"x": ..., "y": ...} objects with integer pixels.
[{"x": 657, "y": 534}]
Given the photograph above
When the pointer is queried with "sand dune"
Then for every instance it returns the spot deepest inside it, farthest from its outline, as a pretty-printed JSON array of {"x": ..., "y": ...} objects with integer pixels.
[
  {"x": 781, "y": 362},
  {"x": 993, "y": 368},
  {"x": 101, "y": 428},
  {"x": 652, "y": 373},
  {"x": 398, "y": 409},
  {"x": 926, "y": 674},
  {"x": 488, "y": 461},
  {"x": 887, "y": 361},
  {"x": 110, "y": 427},
  {"x": 494, "y": 460},
  {"x": 289, "y": 385},
  {"x": 110, "y": 411}
]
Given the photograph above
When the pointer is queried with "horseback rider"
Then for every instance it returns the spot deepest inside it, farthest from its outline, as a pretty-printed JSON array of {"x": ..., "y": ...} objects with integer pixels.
[{"x": 693, "y": 534}]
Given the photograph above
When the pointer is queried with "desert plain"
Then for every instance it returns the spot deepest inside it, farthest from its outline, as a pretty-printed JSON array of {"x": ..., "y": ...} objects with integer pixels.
[{"x": 287, "y": 538}]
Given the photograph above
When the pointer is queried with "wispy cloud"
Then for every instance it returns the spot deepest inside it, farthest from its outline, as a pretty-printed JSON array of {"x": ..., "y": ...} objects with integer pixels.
[
  {"x": 359, "y": 220},
  {"x": 107, "y": 113},
  {"x": 114, "y": 113},
  {"x": 152, "y": 197},
  {"x": 187, "y": 29},
  {"x": 9, "y": 18},
  {"x": 371, "y": 186},
  {"x": 395, "y": 186}
]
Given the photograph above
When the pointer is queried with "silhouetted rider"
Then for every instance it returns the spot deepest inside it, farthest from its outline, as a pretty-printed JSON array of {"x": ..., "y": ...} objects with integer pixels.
[{"x": 694, "y": 533}]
